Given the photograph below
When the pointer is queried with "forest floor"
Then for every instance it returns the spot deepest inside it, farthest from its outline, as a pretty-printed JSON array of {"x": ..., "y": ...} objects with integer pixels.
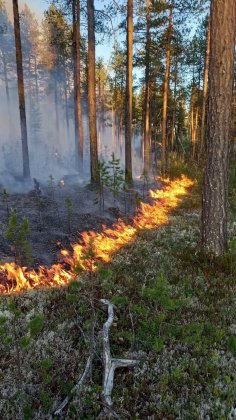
[
  {"x": 175, "y": 311},
  {"x": 53, "y": 227}
]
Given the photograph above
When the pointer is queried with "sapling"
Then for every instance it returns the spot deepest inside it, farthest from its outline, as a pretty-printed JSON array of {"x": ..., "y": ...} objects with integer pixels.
[
  {"x": 69, "y": 211},
  {"x": 17, "y": 234},
  {"x": 103, "y": 176},
  {"x": 116, "y": 177}
]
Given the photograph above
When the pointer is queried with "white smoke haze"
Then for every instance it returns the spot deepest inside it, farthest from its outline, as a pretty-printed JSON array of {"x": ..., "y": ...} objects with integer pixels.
[{"x": 50, "y": 128}]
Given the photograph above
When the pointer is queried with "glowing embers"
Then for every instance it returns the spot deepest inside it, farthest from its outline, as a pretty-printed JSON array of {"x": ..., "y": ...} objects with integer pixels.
[{"x": 96, "y": 246}]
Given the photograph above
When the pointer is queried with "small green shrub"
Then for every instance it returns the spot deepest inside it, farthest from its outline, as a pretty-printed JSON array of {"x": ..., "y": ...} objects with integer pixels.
[{"x": 17, "y": 234}]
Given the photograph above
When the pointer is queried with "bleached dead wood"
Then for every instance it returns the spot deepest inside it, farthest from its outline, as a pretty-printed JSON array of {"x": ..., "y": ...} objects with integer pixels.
[{"x": 110, "y": 364}]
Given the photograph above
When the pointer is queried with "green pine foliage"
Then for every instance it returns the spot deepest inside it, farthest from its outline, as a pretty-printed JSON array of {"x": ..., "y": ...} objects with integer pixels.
[
  {"x": 17, "y": 234},
  {"x": 103, "y": 177},
  {"x": 116, "y": 180}
]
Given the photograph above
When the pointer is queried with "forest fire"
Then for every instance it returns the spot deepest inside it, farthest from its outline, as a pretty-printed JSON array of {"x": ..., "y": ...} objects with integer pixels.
[{"x": 96, "y": 246}]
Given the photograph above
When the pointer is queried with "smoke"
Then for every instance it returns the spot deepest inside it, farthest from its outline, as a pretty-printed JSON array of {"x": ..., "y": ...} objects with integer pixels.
[{"x": 50, "y": 119}]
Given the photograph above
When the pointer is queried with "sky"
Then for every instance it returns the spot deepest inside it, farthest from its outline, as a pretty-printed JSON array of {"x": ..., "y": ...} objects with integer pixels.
[{"x": 39, "y": 6}]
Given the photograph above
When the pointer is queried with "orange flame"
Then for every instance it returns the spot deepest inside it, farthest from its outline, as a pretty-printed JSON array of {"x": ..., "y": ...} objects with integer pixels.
[{"x": 14, "y": 278}]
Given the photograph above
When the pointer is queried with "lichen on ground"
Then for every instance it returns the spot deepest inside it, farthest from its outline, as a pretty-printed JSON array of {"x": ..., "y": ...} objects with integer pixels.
[{"x": 175, "y": 311}]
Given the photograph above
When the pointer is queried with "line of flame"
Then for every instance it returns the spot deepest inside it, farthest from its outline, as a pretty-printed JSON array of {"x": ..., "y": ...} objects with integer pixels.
[{"x": 16, "y": 278}]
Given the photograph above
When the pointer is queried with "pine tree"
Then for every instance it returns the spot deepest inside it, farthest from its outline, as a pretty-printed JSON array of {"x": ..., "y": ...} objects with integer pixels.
[{"x": 221, "y": 70}]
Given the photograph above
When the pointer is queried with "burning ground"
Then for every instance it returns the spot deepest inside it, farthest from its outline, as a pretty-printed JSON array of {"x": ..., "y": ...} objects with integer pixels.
[
  {"x": 15, "y": 277},
  {"x": 174, "y": 311}
]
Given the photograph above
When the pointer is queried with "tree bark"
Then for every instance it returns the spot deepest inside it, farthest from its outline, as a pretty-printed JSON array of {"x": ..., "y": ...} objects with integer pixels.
[
  {"x": 92, "y": 93},
  {"x": 129, "y": 95},
  {"x": 79, "y": 136},
  {"x": 21, "y": 92},
  {"x": 195, "y": 131},
  {"x": 219, "y": 113},
  {"x": 164, "y": 155},
  {"x": 147, "y": 133},
  {"x": 174, "y": 106},
  {"x": 205, "y": 88}
]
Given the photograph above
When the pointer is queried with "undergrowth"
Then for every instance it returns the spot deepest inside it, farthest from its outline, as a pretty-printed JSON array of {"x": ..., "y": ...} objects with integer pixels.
[{"x": 175, "y": 311}]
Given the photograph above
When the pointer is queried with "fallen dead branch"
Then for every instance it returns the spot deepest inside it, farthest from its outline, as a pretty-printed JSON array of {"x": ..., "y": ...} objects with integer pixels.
[{"x": 109, "y": 363}]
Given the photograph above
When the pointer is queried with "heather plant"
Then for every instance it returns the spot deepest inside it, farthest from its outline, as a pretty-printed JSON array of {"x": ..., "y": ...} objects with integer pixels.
[{"x": 17, "y": 234}]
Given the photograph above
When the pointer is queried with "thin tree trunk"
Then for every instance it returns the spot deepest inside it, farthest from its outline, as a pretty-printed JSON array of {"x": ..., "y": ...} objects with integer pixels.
[
  {"x": 194, "y": 131},
  {"x": 164, "y": 156},
  {"x": 92, "y": 93},
  {"x": 205, "y": 88},
  {"x": 129, "y": 95},
  {"x": 79, "y": 134},
  {"x": 147, "y": 133},
  {"x": 21, "y": 92},
  {"x": 219, "y": 113},
  {"x": 174, "y": 107}
]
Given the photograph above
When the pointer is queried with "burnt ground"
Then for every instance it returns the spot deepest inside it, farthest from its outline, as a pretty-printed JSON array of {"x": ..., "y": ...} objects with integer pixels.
[{"x": 48, "y": 216}]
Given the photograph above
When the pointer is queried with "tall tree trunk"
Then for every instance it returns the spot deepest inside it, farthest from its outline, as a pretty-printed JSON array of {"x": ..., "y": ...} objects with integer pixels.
[
  {"x": 205, "y": 87},
  {"x": 129, "y": 95},
  {"x": 195, "y": 130},
  {"x": 92, "y": 93},
  {"x": 21, "y": 92},
  {"x": 174, "y": 106},
  {"x": 147, "y": 133},
  {"x": 219, "y": 113},
  {"x": 79, "y": 134},
  {"x": 164, "y": 156}
]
